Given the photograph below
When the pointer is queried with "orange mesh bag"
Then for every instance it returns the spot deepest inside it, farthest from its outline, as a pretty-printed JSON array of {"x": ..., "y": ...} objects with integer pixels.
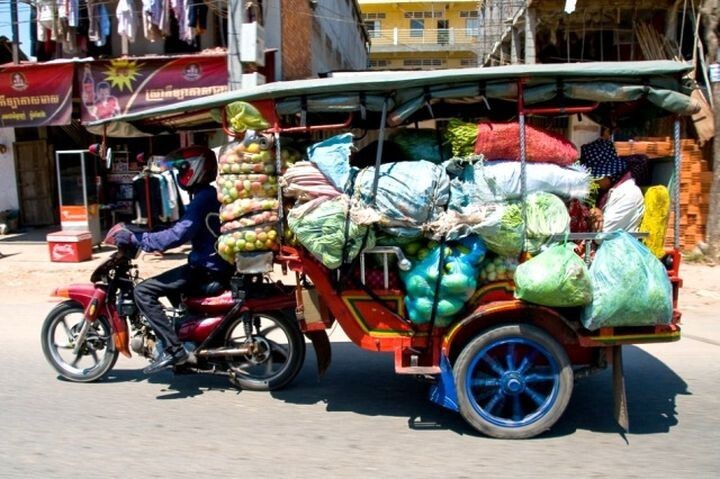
[{"x": 500, "y": 141}]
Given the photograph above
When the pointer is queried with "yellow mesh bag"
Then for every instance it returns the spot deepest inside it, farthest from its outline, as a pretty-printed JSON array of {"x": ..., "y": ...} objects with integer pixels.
[{"x": 655, "y": 219}]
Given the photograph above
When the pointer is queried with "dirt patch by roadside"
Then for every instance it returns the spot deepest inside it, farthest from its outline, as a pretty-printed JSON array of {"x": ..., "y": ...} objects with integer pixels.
[{"x": 27, "y": 275}]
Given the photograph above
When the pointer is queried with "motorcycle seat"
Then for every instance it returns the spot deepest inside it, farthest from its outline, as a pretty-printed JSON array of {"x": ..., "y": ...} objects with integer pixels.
[{"x": 207, "y": 289}]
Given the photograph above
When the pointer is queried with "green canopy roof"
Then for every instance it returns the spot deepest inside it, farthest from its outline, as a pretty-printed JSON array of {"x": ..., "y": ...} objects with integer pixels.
[{"x": 660, "y": 82}]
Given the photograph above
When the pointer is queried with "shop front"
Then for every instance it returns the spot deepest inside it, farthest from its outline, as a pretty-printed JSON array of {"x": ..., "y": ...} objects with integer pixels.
[{"x": 45, "y": 109}]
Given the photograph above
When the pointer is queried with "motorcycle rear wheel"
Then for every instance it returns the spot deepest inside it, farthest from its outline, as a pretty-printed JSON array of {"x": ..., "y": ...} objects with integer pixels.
[
  {"x": 59, "y": 332},
  {"x": 279, "y": 355}
]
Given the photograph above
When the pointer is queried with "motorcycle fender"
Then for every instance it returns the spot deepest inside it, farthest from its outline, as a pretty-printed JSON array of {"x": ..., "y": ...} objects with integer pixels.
[
  {"x": 82, "y": 293},
  {"x": 323, "y": 351},
  {"x": 121, "y": 337}
]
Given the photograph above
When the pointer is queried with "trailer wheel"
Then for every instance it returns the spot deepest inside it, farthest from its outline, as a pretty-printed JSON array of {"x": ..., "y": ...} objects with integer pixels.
[{"x": 513, "y": 381}]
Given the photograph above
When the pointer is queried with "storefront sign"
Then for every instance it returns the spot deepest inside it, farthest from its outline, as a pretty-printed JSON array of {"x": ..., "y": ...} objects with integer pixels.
[
  {"x": 35, "y": 95},
  {"x": 112, "y": 87}
]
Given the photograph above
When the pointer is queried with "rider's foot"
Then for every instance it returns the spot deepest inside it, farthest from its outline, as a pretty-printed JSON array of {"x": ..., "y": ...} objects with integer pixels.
[{"x": 169, "y": 358}]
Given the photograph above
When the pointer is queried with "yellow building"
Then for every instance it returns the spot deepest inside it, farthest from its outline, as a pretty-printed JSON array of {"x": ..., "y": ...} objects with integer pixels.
[{"x": 422, "y": 35}]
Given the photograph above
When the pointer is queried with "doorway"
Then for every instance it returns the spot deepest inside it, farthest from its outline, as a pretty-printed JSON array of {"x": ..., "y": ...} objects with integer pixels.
[
  {"x": 35, "y": 176},
  {"x": 443, "y": 32}
]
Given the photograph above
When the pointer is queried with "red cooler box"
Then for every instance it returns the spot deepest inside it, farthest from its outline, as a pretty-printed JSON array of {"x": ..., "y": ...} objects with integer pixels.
[{"x": 70, "y": 246}]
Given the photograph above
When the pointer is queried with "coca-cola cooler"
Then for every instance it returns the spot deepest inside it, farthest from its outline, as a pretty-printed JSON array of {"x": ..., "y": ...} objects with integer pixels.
[
  {"x": 69, "y": 246},
  {"x": 78, "y": 184}
]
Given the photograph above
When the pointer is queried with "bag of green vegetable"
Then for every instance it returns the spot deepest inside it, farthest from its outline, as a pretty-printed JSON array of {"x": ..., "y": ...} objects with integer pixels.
[
  {"x": 502, "y": 228},
  {"x": 462, "y": 137},
  {"x": 546, "y": 216},
  {"x": 320, "y": 226},
  {"x": 456, "y": 278},
  {"x": 630, "y": 286},
  {"x": 556, "y": 277}
]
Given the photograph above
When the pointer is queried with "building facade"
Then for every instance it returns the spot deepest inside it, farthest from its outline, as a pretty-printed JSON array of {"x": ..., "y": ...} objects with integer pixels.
[
  {"x": 116, "y": 57},
  {"x": 422, "y": 35}
]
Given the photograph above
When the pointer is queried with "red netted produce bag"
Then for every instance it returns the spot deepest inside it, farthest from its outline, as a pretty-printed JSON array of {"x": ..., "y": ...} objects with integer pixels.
[{"x": 501, "y": 141}]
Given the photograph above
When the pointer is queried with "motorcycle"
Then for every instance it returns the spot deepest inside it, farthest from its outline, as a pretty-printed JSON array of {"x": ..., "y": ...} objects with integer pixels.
[{"x": 247, "y": 332}]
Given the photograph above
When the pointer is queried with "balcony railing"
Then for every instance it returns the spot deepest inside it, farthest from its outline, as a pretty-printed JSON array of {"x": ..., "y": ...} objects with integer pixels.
[{"x": 425, "y": 36}]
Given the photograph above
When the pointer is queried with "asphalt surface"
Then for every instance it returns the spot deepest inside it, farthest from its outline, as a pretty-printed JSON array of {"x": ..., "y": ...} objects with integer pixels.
[{"x": 359, "y": 420}]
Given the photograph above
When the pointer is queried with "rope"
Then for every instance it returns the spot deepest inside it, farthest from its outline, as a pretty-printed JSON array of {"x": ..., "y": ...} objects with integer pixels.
[
  {"x": 278, "y": 169},
  {"x": 676, "y": 185},
  {"x": 523, "y": 177}
]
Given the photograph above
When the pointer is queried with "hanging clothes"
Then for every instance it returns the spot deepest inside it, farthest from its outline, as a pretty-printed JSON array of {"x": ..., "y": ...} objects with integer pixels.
[
  {"x": 46, "y": 20},
  {"x": 72, "y": 12},
  {"x": 155, "y": 198},
  {"x": 93, "y": 20},
  {"x": 184, "y": 31},
  {"x": 125, "y": 13},
  {"x": 68, "y": 20},
  {"x": 147, "y": 199},
  {"x": 173, "y": 195},
  {"x": 151, "y": 14},
  {"x": 164, "y": 19},
  {"x": 197, "y": 16},
  {"x": 105, "y": 25}
]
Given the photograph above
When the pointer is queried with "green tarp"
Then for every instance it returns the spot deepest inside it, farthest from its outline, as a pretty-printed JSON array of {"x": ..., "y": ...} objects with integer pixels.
[{"x": 408, "y": 91}]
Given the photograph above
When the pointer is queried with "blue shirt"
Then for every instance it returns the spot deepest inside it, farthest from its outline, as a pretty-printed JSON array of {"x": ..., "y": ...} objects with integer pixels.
[{"x": 192, "y": 228}]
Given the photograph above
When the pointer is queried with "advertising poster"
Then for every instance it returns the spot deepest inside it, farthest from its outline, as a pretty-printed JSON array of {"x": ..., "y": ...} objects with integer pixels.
[
  {"x": 109, "y": 88},
  {"x": 36, "y": 95}
]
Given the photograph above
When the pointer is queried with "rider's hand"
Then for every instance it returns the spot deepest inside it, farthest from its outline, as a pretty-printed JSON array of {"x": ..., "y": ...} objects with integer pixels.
[
  {"x": 125, "y": 238},
  {"x": 121, "y": 237}
]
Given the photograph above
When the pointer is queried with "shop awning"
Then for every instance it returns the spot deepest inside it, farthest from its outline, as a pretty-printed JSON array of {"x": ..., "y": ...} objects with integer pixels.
[{"x": 659, "y": 82}]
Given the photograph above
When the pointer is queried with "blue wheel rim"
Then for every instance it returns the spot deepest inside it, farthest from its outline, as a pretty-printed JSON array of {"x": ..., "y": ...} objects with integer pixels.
[{"x": 513, "y": 382}]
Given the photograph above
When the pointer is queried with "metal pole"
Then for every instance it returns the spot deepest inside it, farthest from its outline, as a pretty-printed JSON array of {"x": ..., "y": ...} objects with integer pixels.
[
  {"x": 15, "y": 34},
  {"x": 523, "y": 160},
  {"x": 676, "y": 185},
  {"x": 378, "y": 153},
  {"x": 236, "y": 16}
]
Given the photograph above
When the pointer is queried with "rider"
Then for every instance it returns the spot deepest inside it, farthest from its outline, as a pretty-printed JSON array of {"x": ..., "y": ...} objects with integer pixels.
[{"x": 197, "y": 168}]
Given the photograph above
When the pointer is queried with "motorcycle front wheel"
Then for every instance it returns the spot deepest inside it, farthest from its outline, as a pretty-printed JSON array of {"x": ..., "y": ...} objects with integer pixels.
[
  {"x": 60, "y": 330},
  {"x": 278, "y": 351}
]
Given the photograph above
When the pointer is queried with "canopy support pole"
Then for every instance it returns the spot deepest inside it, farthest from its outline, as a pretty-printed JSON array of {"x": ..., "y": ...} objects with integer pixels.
[
  {"x": 523, "y": 160},
  {"x": 378, "y": 154},
  {"x": 676, "y": 184}
]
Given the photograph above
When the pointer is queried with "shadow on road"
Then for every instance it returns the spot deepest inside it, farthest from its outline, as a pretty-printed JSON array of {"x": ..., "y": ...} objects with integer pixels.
[
  {"x": 179, "y": 386},
  {"x": 651, "y": 391},
  {"x": 365, "y": 383}
]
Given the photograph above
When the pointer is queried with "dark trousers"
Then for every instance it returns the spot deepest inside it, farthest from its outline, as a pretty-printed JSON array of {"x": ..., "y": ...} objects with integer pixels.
[{"x": 170, "y": 284}]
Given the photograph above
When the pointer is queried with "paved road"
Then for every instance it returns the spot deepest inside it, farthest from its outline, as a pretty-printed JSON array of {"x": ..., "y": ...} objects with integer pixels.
[{"x": 360, "y": 420}]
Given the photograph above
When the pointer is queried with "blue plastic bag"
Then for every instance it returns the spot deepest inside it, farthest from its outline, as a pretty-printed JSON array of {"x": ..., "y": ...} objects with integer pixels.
[
  {"x": 458, "y": 281},
  {"x": 332, "y": 158}
]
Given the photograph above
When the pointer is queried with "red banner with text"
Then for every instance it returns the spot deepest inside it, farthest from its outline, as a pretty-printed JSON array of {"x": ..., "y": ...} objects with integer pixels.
[
  {"x": 36, "y": 95},
  {"x": 113, "y": 87}
]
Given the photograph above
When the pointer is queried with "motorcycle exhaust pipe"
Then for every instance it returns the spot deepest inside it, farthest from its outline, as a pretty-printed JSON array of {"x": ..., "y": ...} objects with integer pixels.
[{"x": 216, "y": 353}]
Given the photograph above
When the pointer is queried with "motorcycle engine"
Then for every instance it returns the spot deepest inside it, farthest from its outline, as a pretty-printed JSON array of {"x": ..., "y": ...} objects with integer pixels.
[{"x": 144, "y": 345}]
